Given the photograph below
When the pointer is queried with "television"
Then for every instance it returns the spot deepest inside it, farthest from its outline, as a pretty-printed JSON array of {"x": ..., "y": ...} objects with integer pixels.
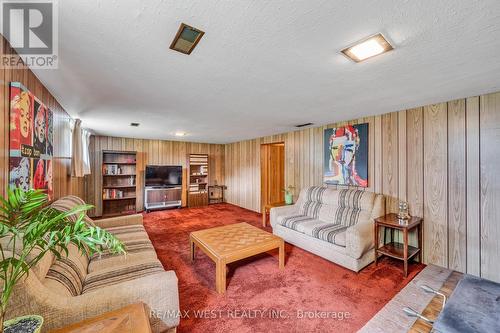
[{"x": 163, "y": 175}]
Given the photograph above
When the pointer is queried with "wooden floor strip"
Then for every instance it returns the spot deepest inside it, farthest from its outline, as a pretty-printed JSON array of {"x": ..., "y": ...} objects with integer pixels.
[
  {"x": 392, "y": 319},
  {"x": 436, "y": 304}
]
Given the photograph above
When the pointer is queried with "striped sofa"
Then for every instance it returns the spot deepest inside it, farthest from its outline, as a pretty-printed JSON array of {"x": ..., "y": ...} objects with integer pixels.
[
  {"x": 334, "y": 224},
  {"x": 77, "y": 287}
]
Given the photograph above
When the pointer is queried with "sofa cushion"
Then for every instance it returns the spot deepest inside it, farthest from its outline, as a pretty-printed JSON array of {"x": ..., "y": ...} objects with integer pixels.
[
  {"x": 313, "y": 200},
  {"x": 131, "y": 246},
  {"x": 43, "y": 266},
  {"x": 69, "y": 202},
  {"x": 328, "y": 232},
  {"x": 345, "y": 207},
  {"x": 357, "y": 199},
  {"x": 353, "y": 206},
  {"x": 121, "y": 273},
  {"x": 137, "y": 245},
  {"x": 67, "y": 274},
  {"x": 132, "y": 231}
]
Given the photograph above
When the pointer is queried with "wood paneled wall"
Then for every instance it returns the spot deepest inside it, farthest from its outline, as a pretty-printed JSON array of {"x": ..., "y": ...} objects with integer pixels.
[
  {"x": 442, "y": 158},
  {"x": 150, "y": 152},
  {"x": 63, "y": 183}
]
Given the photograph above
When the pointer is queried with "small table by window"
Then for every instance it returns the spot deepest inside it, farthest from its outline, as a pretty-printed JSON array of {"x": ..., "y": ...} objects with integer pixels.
[
  {"x": 267, "y": 208},
  {"x": 402, "y": 251}
]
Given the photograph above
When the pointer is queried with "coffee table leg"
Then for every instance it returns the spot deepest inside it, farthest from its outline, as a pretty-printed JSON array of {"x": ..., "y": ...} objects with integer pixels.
[
  {"x": 220, "y": 276},
  {"x": 282, "y": 255},
  {"x": 191, "y": 247}
]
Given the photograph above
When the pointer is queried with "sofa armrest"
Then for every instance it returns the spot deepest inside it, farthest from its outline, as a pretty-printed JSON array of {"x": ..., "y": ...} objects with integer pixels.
[
  {"x": 359, "y": 239},
  {"x": 378, "y": 206},
  {"x": 119, "y": 221},
  {"x": 282, "y": 211}
]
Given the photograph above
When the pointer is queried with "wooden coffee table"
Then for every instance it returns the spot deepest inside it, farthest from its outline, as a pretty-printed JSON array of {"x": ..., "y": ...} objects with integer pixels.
[
  {"x": 231, "y": 243},
  {"x": 133, "y": 318}
]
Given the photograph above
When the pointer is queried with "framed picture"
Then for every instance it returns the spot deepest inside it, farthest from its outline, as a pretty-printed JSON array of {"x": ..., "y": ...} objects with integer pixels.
[
  {"x": 31, "y": 141},
  {"x": 346, "y": 155}
]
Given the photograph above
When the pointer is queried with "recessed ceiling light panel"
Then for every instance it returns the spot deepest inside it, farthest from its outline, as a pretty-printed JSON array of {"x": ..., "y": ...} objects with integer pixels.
[
  {"x": 180, "y": 133},
  {"x": 186, "y": 39},
  {"x": 367, "y": 48}
]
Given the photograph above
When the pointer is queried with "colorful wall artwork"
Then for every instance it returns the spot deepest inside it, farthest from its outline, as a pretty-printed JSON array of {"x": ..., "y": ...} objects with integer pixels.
[
  {"x": 31, "y": 141},
  {"x": 346, "y": 155}
]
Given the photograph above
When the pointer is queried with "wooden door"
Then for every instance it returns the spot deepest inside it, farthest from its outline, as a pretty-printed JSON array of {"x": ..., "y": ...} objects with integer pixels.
[{"x": 272, "y": 166}]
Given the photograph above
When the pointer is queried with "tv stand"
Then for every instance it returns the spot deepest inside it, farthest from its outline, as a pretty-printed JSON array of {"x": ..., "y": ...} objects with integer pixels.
[{"x": 162, "y": 197}]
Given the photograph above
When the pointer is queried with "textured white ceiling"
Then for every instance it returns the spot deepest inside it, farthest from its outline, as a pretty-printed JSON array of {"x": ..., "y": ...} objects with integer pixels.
[{"x": 264, "y": 66}]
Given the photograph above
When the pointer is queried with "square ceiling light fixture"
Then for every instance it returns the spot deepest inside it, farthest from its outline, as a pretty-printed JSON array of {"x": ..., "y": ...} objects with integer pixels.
[
  {"x": 186, "y": 39},
  {"x": 367, "y": 48}
]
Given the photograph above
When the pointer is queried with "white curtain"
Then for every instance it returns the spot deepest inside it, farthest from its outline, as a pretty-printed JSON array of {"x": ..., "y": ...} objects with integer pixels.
[
  {"x": 80, "y": 159},
  {"x": 86, "y": 151}
]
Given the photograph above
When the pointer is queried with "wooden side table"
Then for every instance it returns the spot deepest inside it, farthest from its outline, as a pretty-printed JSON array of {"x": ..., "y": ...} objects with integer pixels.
[
  {"x": 216, "y": 194},
  {"x": 130, "y": 319},
  {"x": 267, "y": 208},
  {"x": 402, "y": 251}
]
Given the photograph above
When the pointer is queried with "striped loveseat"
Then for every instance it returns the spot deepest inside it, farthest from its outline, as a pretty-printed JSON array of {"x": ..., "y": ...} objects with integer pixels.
[
  {"x": 334, "y": 224},
  {"x": 77, "y": 287}
]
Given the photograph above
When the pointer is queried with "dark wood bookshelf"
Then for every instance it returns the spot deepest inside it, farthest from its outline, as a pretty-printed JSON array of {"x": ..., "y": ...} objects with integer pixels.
[{"x": 119, "y": 183}]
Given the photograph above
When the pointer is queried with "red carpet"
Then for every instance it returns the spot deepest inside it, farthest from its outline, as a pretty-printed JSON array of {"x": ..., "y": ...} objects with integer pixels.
[{"x": 259, "y": 297}]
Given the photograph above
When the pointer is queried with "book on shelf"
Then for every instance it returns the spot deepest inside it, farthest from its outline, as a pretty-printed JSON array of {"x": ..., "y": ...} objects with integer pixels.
[
  {"x": 111, "y": 169},
  {"x": 131, "y": 181},
  {"x": 112, "y": 194},
  {"x": 130, "y": 159},
  {"x": 201, "y": 173}
]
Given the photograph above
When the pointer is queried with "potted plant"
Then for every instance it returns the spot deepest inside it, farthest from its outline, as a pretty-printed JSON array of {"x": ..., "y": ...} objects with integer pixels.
[
  {"x": 289, "y": 194},
  {"x": 28, "y": 223}
]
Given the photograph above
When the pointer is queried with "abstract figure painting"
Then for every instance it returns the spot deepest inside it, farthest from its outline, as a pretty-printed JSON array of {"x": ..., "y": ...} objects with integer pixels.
[
  {"x": 31, "y": 146},
  {"x": 346, "y": 155}
]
